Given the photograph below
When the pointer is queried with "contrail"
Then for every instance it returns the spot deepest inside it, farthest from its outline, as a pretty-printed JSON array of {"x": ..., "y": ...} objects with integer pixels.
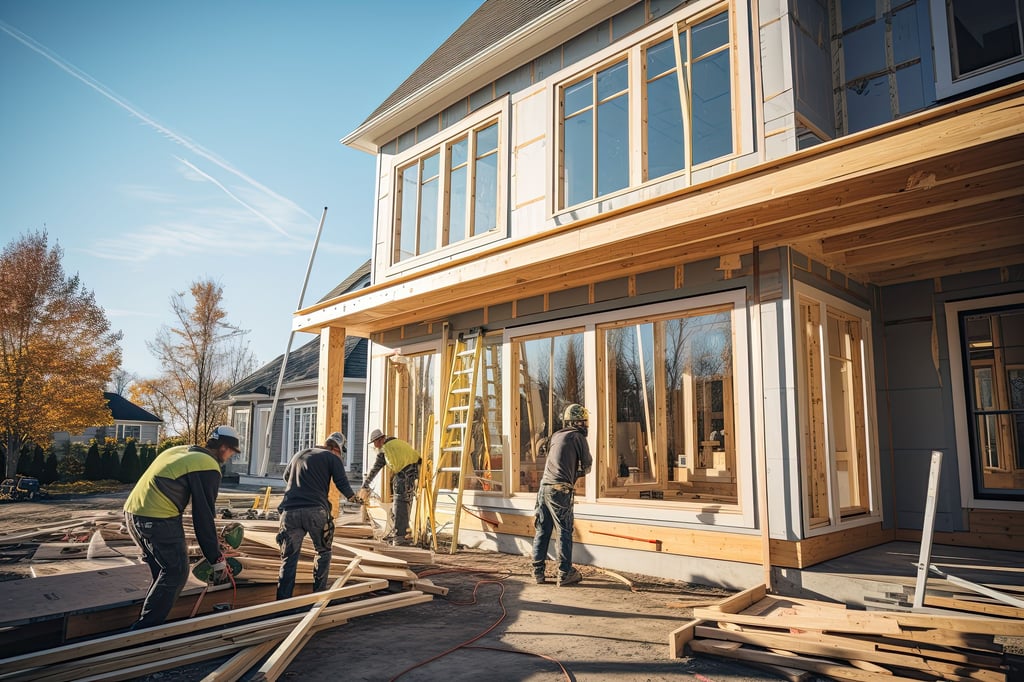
[
  {"x": 231, "y": 194},
  {"x": 197, "y": 149}
]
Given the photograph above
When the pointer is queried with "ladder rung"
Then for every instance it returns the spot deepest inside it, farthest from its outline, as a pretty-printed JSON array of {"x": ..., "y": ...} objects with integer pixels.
[
  {"x": 463, "y": 371},
  {"x": 459, "y": 408},
  {"x": 457, "y": 425},
  {"x": 457, "y": 448},
  {"x": 450, "y": 469}
]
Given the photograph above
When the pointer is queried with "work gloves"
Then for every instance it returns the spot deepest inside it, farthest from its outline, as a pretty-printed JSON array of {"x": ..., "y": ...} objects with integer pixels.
[
  {"x": 363, "y": 494},
  {"x": 221, "y": 571}
]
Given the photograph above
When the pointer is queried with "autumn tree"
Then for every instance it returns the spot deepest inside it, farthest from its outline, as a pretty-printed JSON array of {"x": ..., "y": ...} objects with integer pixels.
[
  {"x": 201, "y": 356},
  {"x": 57, "y": 351},
  {"x": 120, "y": 380}
]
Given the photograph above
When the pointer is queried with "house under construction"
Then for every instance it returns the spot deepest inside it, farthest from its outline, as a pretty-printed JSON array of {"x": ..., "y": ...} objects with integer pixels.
[{"x": 775, "y": 247}]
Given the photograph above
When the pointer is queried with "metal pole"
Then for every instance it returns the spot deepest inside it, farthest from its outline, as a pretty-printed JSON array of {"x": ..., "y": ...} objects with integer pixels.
[{"x": 265, "y": 460}]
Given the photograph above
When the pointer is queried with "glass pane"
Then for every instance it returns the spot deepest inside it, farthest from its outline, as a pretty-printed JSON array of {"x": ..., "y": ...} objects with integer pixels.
[
  {"x": 578, "y": 97},
  {"x": 579, "y": 158},
  {"x": 661, "y": 58},
  {"x": 550, "y": 378},
  {"x": 487, "y": 140},
  {"x": 486, "y": 442},
  {"x": 431, "y": 164},
  {"x": 612, "y": 81},
  {"x": 632, "y": 401},
  {"x": 709, "y": 35},
  {"x": 613, "y": 145},
  {"x": 460, "y": 152},
  {"x": 457, "y": 205},
  {"x": 410, "y": 202},
  {"x": 712, "y": 108},
  {"x": 428, "y": 216},
  {"x": 485, "y": 207},
  {"x": 984, "y": 33},
  {"x": 665, "y": 146}
]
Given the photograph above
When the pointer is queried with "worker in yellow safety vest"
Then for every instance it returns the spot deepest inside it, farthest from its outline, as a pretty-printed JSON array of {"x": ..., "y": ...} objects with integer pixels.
[{"x": 404, "y": 461}]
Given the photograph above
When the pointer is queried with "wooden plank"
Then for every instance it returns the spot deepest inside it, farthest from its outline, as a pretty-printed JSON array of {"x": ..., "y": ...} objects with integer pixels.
[
  {"x": 836, "y": 648},
  {"x": 139, "y": 637},
  {"x": 680, "y": 637},
  {"x": 820, "y": 666},
  {"x": 66, "y": 566},
  {"x": 742, "y": 600},
  {"x": 285, "y": 652}
]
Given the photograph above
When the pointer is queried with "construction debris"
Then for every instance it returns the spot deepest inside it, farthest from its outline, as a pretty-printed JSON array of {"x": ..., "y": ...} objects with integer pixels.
[
  {"x": 88, "y": 582},
  {"x": 794, "y": 638}
]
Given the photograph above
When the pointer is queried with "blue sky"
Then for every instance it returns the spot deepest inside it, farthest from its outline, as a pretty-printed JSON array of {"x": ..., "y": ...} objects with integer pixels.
[{"x": 163, "y": 142}]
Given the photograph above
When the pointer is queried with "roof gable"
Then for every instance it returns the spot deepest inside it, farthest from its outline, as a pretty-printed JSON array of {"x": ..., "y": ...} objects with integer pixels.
[{"x": 122, "y": 409}]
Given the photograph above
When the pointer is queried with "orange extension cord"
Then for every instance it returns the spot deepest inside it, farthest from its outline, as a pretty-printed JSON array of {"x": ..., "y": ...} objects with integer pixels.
[{"x": 466, "y": 645}]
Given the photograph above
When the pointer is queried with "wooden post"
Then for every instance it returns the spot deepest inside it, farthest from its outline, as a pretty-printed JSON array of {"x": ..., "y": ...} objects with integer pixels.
[
  {"x": 928, "y": 530},
  {"x": 329, "y": 392}
]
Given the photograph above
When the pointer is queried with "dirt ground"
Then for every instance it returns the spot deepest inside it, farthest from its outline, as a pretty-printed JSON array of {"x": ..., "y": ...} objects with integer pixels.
[{"x": 495, "y": 624}]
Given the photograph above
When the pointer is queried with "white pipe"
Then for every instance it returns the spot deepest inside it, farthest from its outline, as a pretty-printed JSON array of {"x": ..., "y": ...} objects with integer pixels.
[{"x": 265, "y": 459}]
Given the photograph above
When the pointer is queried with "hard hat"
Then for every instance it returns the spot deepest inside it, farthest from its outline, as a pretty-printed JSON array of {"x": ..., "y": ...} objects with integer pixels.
[
  {"x": 226, "y": 435},
  {"x": 575, "y": 413},
  {"x": 339, "y": 439}
]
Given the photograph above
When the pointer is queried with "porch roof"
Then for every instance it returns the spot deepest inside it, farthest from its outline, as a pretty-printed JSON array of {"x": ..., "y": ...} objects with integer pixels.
[{"x": 937, "y": 193}]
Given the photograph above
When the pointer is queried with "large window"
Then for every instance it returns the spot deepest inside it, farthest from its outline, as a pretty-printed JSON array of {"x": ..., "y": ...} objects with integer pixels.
[
  {"x": 837, "y": 458},
  {"x": 550, "y": 377},
  {"x": 976, "y": 43},
  {"x": 411, "y": 395},
  {"x": 992, "y": 352},
  {"x": 299, "y": 429},
  {"x": 684, "y": 82},
  {"x": 449, "y": 192},
  {"x": 667, "y": 408}
]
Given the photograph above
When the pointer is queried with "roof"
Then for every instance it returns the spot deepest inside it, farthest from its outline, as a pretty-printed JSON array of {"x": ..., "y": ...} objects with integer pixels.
[
  {"x": 489, "y": 24},
  {"x": 122, "y": 409},
  {"x": 304, "y": 362},
  {"x": 303, "y": 365}
]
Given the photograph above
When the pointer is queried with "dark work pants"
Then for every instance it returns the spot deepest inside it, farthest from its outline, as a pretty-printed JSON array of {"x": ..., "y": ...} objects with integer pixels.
[
  {"x": 295, "y": 525},
  {"x": 162, "y": 542},
  {"x": 403, "y": 494},
  {"x": 554, "y": 509}
]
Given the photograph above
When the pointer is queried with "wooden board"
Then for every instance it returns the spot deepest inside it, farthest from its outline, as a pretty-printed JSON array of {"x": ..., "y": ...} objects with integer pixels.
[
  {"x": 37, "y": 599},
  {"x": 47, "y": 569}
]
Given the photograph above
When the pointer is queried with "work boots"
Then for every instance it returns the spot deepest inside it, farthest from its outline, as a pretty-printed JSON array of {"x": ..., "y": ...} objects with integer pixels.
[{"x": 570, "y": 578}]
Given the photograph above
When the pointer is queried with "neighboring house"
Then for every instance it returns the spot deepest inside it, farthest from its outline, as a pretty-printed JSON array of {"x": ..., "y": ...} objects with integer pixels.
[
  {"x": 774, "y": 247},
  {"x": 295, "y": 418},
  {"x": 130, "y": 421}
]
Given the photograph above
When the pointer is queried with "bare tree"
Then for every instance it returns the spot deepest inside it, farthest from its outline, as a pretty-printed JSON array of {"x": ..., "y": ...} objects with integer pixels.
[
  {"x": 56, "y": 348},
  {"x": 201, "y": 356},
  {"x": 120, "y": 380}
]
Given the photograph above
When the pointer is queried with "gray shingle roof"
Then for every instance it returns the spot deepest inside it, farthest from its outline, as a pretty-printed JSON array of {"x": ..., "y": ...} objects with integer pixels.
[
  {"x": 493, "y": 21},
  {"x": 123, "y": 409}
]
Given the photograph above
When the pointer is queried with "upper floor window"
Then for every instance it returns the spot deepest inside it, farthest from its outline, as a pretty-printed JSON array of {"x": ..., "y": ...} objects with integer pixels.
[
  {"x": 449, "y": 190},
  {"x": 683, "y": 81},
  {"x": 976, "y": 43}
]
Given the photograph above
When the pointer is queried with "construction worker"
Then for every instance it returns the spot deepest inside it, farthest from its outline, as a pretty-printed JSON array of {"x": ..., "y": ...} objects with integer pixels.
[
  {"x": 306, "y": 510},
  {"x": 403, "y": 459},
  {"x": 568, "y": 459},
  {"x": 153, "y": 511}
]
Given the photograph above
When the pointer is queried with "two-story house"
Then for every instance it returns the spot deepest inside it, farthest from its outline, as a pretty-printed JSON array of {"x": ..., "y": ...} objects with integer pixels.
[{"x": 774, "y": 246}]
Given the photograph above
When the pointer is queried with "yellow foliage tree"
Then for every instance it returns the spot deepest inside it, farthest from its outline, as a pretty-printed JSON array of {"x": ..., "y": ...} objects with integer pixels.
[{"x": 57, "y": 351}]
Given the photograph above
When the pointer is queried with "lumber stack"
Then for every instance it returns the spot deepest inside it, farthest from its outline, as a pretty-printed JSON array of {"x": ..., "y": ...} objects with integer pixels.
[
  {"x": 798, "y": 639},
  {"x": 263, "y": 638}
]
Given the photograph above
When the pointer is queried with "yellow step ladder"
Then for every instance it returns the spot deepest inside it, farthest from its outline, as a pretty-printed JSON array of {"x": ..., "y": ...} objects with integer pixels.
[{"x": 453, "y": 460}]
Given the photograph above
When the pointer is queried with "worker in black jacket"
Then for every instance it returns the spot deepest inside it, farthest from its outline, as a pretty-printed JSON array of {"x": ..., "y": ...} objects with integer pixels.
[
  {"x": 178, "y": 476},
  {"x": 306, "y": 510}
]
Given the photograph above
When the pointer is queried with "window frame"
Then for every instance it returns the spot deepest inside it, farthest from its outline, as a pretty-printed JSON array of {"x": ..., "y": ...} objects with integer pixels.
[
  {"x": 497, "y": 112},
  {"x": 945, "y": 85},
  {"x": 666, "y": 28},
  {"x": 287, "y": 426},
  {"x": 243, "y": 454},
  {"x": 961, "y": 409},
  {"x": 657, "y": 511},
  {"x": 119, "y": 432},
  {"x": 872, "y": 455}
]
